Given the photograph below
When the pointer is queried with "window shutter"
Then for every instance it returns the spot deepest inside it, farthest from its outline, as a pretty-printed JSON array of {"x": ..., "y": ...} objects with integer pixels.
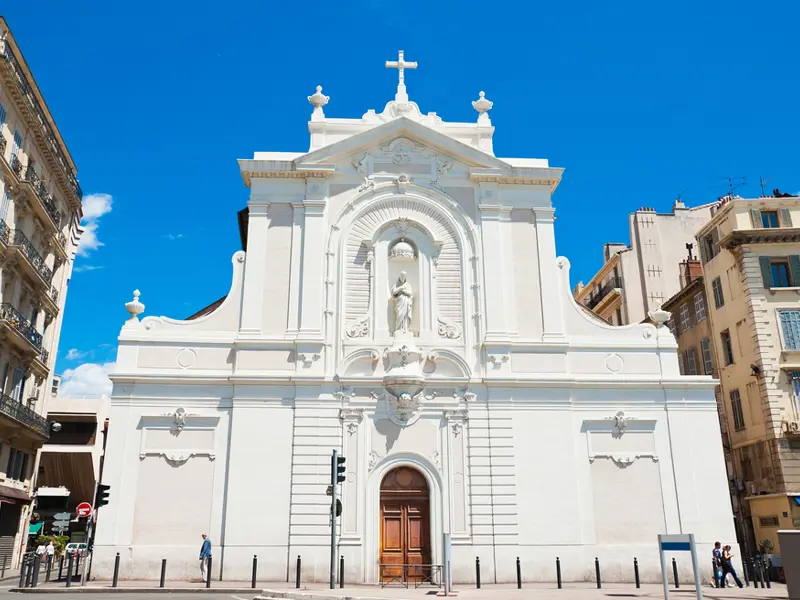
[
  {"x": 703, "y": 251},
  {"x": 785, "y": 217},
  {"x": 766, "y": 271},
  {"x": 794, "y": 269},
  {"x": 714, "y": 241},
  {"x": 755, "y": 218}
]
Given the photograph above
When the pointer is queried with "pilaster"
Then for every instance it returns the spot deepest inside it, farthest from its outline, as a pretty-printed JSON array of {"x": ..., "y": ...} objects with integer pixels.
[
  {"x": 312, "y": 298},
  {"x": 552, "y": 301},
  {"x": 255, "y": 269},
  {"x": 298, "y": 221},
  {"x": 493, "y": 216},
  {"x": 352, "y": 440}
]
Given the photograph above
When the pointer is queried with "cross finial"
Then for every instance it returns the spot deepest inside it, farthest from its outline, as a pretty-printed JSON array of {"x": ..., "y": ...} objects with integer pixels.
[{"x": 400, "y": 64}]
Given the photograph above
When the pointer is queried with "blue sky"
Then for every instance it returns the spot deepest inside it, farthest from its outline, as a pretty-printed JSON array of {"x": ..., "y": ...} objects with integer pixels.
[{"x": 638, "y": 101}]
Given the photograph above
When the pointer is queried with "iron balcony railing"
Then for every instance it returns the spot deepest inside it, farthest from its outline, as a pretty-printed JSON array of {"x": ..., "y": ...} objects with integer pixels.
[
  {"x": 27, "y": 92},
  {"x": 62, "y": 239},
  {"x": 54, "y": 294},
  {"x": 21, "y": 240},
  {"x": 16, "y": 166},
  {"x": 17, "y": 320},
  {"x": 24, "y": 415},
  {"x": 2, "y": 145},
  {"x": 608, "y": 285},
  {"x": 36, "y": 182},
  {"x": 5, "y": 233},
  {"x": 44, "y": 356}
]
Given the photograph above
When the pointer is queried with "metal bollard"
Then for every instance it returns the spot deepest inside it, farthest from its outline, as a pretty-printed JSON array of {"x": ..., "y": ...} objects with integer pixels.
[
  {"x": 255, "y": 571},
  {"x": 558, "y": 571},
  {"x": 29, "y": 576},
  {"x": 636, "y": 572},
  {"x": 208, "y": 573},
  {"x": 163, "y": 572},
  {"x": 70, "y": 558},
  {"x": 478, "y": 572},
  {"x": 60, "y": 567},
  {"x": 767, "y": 579},
  {"x": 519, "y": 575},
  {"x": 49, "y": 568},
  {"x": 341, "y": 572},
  {"x": 37, "y": 564},
  {"x": 597, "y": 571},
  {"x": 675, "y": 573},
  {"x": 297, "y": 575},
  {"x": 757, "y": 573},
  {"x": 745, "y": 570},
  {"x": 77, "y": 563},
  {"x": 5, "y": 558},
  {"x": 22, "y": 572},
  {"x": 115, "y": 581}
]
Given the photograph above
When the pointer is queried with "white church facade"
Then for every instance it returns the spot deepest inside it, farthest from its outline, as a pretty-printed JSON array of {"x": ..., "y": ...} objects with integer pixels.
[{"x": 400, "y": 300}]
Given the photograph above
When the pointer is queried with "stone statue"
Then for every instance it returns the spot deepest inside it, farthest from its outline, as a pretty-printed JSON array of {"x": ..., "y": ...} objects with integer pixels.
[{"x": 403, "y": 303}]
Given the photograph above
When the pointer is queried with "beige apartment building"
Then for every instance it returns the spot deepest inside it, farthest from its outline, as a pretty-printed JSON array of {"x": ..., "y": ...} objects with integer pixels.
[
  {"x": 750, "y": 250},
  {"x": 40, "y": 212},
  {"x": 637, "y": 278}
]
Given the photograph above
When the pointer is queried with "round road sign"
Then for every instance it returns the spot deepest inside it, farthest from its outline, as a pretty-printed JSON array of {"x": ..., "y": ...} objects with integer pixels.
[{"x": 84, "y": 509}]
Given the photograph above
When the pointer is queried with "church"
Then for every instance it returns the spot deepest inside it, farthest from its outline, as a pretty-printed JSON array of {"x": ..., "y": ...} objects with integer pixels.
[{"x": 399, "y": 299}]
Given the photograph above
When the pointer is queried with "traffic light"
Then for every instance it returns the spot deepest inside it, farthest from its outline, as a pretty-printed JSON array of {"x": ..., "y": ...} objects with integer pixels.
[
  {"x": 101, "y": 499},
  {"x": 339, "y": 469}
]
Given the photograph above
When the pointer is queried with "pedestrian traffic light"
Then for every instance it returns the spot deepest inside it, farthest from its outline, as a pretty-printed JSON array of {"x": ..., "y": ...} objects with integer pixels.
[{"x": 101, "y": 499}]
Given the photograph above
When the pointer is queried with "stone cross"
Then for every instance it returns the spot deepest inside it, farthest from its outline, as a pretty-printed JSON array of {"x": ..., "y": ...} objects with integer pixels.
[{"x": 401, "y": 65}]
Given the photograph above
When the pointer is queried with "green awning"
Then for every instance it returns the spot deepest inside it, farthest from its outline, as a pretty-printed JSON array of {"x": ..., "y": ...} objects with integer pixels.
[{"x": 35, "y": 528}]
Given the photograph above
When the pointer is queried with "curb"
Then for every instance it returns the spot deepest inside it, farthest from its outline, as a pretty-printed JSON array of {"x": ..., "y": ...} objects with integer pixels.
[
  {"x": 133, "y": 590},
  {"x": 267, "y": 594}
]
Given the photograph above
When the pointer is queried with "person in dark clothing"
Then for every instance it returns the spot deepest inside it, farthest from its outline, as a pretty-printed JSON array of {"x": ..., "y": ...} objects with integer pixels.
[
  {"x": 716, "y": 554},
  {"x": 727, "y": 567}
]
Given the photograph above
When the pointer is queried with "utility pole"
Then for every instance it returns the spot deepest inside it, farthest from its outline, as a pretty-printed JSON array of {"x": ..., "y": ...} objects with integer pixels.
[{"x": 337, "y": 476}]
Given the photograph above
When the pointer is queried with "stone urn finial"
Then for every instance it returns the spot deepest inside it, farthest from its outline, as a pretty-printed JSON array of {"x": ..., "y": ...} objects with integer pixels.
[
  {"x": 483, "y": 106},
  {"x": 660, "y": 316},
  {"x": 134, "y": 307},
  {"x": 318, "y": 100}
]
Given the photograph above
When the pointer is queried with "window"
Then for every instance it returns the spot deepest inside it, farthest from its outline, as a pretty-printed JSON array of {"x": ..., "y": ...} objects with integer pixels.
[
  {"x": 17, "y": 465},
  {"x": 699, "y": 307},
  {"x": 779, "y": 272},
  {"x": 16, "y": 388},
  {"x": 769, "y": 219},
  {"x": 727, "y": 347},
  {"x": 736, "y": 409},
  {"x": 681, "y": 367},
  {"x": 17, "y": 143},
  {"x": 2, "y": 116},
  {"x": 716, "y": 287},
  {"x": 709, "y": 247},
  {"x": 691, "y": 361},
  {"x": 4, "y": 206},
  {"x": 795, "y": 377},
  {"x": 790, "y": 325},
  {"x": 708, "y": 361},
  {"x": 769, "y": 521},
  {"x": 686, "y": 319}
]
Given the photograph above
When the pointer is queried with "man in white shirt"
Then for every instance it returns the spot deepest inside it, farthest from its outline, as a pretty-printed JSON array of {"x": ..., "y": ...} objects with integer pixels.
[{"x": 51, "y": 551}]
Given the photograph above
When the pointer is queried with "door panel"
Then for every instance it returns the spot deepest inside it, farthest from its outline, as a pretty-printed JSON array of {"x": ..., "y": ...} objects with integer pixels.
[{"x": 405, "y": 530}]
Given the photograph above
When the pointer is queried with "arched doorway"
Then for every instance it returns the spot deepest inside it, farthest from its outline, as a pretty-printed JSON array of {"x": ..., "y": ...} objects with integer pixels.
[{"x": 405, "y": 525}]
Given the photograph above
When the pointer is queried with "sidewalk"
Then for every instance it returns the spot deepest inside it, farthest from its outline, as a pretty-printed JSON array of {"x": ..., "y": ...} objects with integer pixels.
[{"x": 320, "y": 591}]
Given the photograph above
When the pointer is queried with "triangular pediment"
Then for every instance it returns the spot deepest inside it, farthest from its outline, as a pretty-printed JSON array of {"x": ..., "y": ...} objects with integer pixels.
[{"x": 401, "y": 128}]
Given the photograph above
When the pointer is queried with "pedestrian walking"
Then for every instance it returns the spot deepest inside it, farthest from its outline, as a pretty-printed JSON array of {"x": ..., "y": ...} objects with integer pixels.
[
  {"x": 50, "y": 550},
  {"x": 716, "y": 555},
  {"x": 41, "y": 550},
  {"x": 205, "y": 554},
  {"x": 727, "y": 567}
]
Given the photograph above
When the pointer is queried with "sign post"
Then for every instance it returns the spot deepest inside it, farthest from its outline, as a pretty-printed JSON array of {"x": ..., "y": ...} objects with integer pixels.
[
  {"x": 678, "y": 543},
  {"x": 447, "y": 576}
]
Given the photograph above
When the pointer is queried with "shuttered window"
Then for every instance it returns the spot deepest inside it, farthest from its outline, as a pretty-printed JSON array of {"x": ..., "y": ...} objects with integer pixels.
[
  {"x": 686, "y": 318},
  {"x": 681, "y": 367},
  {"x": 4, "y": 205},
  {"x": 755, "y": 218},
  {"x": 727, "y": 347},
  {"x": 716, "y": 287},
  {"x": 779, "y": 272},
  {"x": 736, "y": 410},
  {"x": 691, "y": 361},
  {"x": 769, "y": 219},
  {"x": 699, "y": 307},
  {"x": 790, "y": 326},
  {"x": 708, "y": 361},
  {"x": 17, "y": 143}
]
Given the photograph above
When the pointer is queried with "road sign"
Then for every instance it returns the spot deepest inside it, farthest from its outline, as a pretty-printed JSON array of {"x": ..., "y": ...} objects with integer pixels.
[
  {"x": 60, "y": 524},
  {"x": 84, "y": 509},
  {"x": 65, "y": 516}
]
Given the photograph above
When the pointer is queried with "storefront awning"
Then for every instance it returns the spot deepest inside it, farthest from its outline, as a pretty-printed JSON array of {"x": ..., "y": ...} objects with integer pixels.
[
  {"x": 35, "y": 528},
  {"x": 796, "y": 499}
]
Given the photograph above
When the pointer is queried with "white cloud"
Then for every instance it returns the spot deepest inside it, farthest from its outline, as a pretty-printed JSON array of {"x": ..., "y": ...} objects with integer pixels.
[
  {"x": 74, "y": 354},
  {"x": 82, "y": 268},
  {"x": 89, "y": 379},
  {"x": 94, "y": 207},
  {"x": 173, "y": 236}
]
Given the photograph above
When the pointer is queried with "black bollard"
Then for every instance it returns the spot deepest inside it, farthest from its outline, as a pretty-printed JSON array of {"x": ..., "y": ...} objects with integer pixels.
[
  {"x": 23, "y": 567},
  {"x": 37, "y": 564},
  {"x": 163, "y": 572},
  {"x": 636, "y": 572},
  {"x": 757, "y": 573},
  {"x": 70, "y": 558},
  {"x": 115, "y": 581},
  {"x": 519, "y": 575},
  {"x": 49, "y": 568},
  {"x": 765, "y": 566},
  {"x": 478, "y": 572},
  {"x": 3, "y": 574},
  {"x": 341, "y": 572},
  {"x": 745, "y": 570},
  {"x": 208, "y": 573},
  {"x": 597, "y": 571},
  {"x": 675, "y": 574},
  {"x": 77, "y": 563},
  {"x": 60, "y": 567},
  {"x": 558, "y": 571},
  {"x": 297, "y": 575},
  {"x": 255, "y": 571},
  {"x": 29, "y": 576}
]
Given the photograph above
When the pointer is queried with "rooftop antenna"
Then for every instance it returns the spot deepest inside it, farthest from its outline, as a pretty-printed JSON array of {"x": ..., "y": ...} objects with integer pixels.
[
  {"x": 735, "y": 183},
  {"x": 762, "y": 182}
]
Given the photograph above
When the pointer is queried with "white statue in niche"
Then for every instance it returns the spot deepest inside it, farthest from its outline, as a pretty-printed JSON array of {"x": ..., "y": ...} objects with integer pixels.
[{"x": 403, "y": 296}]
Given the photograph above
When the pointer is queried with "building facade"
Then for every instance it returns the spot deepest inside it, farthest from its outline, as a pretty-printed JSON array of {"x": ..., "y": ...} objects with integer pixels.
[
  {"x": 40, "y": 211},
  {"x": 636, "y": 279},
  {"x": 750, "y": 251},
  {"x": 400, "y": 300}
]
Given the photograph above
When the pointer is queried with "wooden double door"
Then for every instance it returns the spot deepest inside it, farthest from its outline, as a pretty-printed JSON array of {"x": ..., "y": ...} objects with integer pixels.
[{"x": 405, "y": 526}]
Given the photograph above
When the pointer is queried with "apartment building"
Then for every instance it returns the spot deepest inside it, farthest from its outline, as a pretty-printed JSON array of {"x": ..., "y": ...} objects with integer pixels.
[
  {"x": 750, "y": 251},
  {"x": 637, "y": 278},
  {"x": 40, "y": 212}
]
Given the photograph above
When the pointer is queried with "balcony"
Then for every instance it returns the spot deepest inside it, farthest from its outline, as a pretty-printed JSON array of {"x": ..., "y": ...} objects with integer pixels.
[
  {"x": 16, "y": 166},
  {"x": 24, "y": 416},
  {"x": 25, "y": 333},
  {"x": 47, "y": 209},
  {"x": 33, "y": 259},
  {"x": 3, "y": 145},
  {"x": 35, "y": 113},
  {"x": 607, "y": 287}
]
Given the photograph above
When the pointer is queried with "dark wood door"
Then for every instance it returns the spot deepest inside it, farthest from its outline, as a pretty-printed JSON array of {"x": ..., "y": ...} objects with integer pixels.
[{"x": 405, "y": 526}]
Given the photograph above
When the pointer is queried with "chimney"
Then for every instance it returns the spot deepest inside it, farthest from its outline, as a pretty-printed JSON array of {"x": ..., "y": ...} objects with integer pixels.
[{"x": 691, "y": 269}]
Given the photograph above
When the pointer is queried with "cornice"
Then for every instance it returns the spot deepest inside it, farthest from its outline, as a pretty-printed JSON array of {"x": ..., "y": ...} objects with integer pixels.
[
  {"x": 282, "y": 169},
  {"x": 741, "y": 237}
]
